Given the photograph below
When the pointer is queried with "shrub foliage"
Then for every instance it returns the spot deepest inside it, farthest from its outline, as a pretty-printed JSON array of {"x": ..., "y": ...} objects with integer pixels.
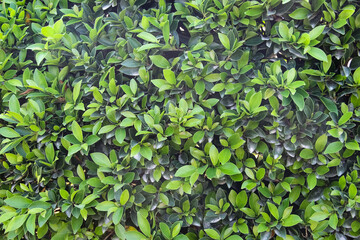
[{"x": 183, "y": 120}]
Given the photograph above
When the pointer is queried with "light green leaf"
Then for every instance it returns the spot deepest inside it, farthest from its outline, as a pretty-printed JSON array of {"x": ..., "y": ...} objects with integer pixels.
[
  {"x": 352, "y": 191},
  {"x": 173, "y": 185},
  {"x": 344, "y": 118},
  {"x": 143, "y": 224},
  {"x": 284, "y": 31},
  {"x": 224, "y": 155},
  {"x": 212, "y": 233},
  {"x": 311, "y": 180},
  {"x": 333, "y": 147},
  {"x": 214, "y": 155},
  {"x": 185, "y": 171},
  {"x": 316, "y": 32},
  {"x": 76, "y": 90},
  {"x": 321, "y": 143},
  {"x": 169, "y": 76},
  {"x": 16, "y": 222},
  {"x": 224, "y": 40},
  {"x": 105, "y": 206},
  {"x": 333, "y": 221},
  {"x": 229, "y": 169},
  {"x": 299, "y": 13},
  {"x": 307, "y": 154},
  {"x": 134, "y": 235},
  {"x": 76, "y": 129},
  {"x": 14, "y": 104},
  {"x": 18, "y": 202},
  {"x": 292, "y": 220},
  {"x": 319, "y": 216},
  {"x": 147, "y": 37},
  {"x": 255, "y": 101},
  {"x": 124, "y": 197},
  {"x": 273, "y": 210},
  {"x": 146, "y": 152},
  {"x": 160, "y": 61},
  {"x": 356, "y": 76},
  {"x": 101, "y": 159},
  {"x": 318, "y": 54},
  {"x": 9, "y": 132}
]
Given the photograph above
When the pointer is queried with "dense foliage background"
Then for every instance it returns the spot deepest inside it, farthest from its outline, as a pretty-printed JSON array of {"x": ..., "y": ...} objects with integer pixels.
[{"x": 184, "y": 120}]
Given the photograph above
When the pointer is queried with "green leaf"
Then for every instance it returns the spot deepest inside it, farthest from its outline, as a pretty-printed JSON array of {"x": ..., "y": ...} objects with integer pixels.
[
  {"x": 166, "y": 32},
  {"x": 16, "y": 222},
  {"x": 255, "y": 101},
  {"x": 143, "y": 224},
  {"x": 160, "y": 61},
  {"x": 212, "y": 233},
  {"x": 273, "y": 210},
  {"x": 224, "y": 40},
  {"x": 224, "y": 155},
  {"x": 321, "y": 143},
  {"x": 214, "y": 77},
  {"x": 284, "y": 31},
  {"x": 214, "y": 155},
  {"x": 185, "y": 171},
  {"x": 316, "y": 32},
  {"x": 319, "y": 216},
  {"x": 356, "y": 76},
  {"x": 124, "y": 197},
  {"x": 76, "y": 223},
  {"x": 105, "y": 206},
  {"x": 307, "y": 154},
  {"x": 176, "y": 230},
  {"x": 298, "y": 100},
  {"x": 9, "y": 132},
  {"x": 18, "y": 202},
  {"x": 173, "y": 185},
  {"x": 6, "y": 216},
  {"x": 292, "y": 220},
  {"x": 14, "y": 104},
  {"x": 318, "y": 54},
  {"x": 344, "y": 118},
  {"x": 235, "y": 141},
  {"x": 311, "y": 180},
  {"x": 352, "y": 191},
  {"x": 234, "y": 237},
  {"x": 198, "y": 136},
  {"x": 299, "y": 14},
  {"x": 330, "y": 105},
  {"x": 333, "y": 221},
  {"x": 355, "y": 226},
  {"x": 134, "y": 235},
  {"x": 146, "y": 152},
  {"x": 120, "y": 134},
  {"x": 165, "y": 230},
  {"x": 30, "y": 224},
  {"x": 200, "y": 87},
  {"x": 333, "y": 147},
  {"x": 76, "y": 91},
  {"x": 353, "y": 145},
  {"x": 50, "y": 152},
  {"x": 327, "y": 65},
  {"x": 294, "y": 194},
  {"x": 169, "y": 76},
  {"x": 147, "y": 37},
  {"x": 101, "y": 159},
  {"x": 106, "y": 129},
  {"x": 76, "y": 129},
  {"x": 229, "y": 169}
]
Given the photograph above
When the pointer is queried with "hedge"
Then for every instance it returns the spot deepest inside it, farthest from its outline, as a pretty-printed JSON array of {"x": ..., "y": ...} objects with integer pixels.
[{"x": 183, "y": 120}]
